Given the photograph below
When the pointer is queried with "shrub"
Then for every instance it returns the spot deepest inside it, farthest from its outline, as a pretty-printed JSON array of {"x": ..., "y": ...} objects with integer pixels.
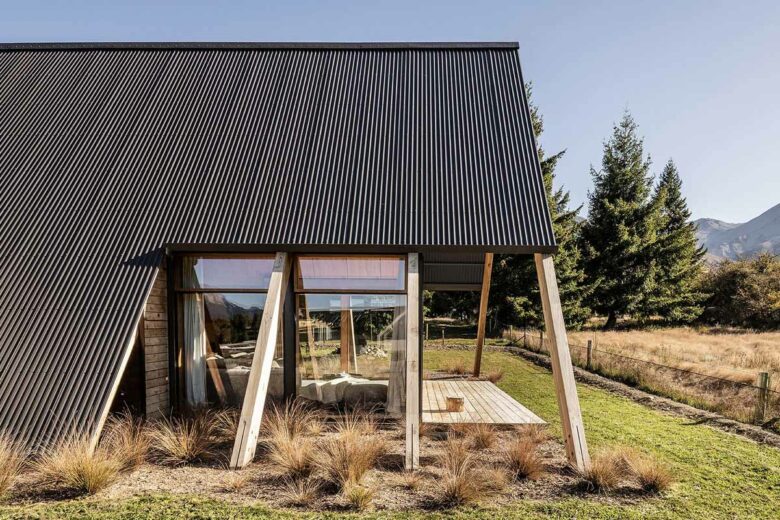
[
  {"x": 300, "y": 492},
  {"x": 523, "y": 459},
  {"x": 179, "y": 441},
  {"x": 494, "y": 376},
  {"x": 70, "y": 463},
  {"x": 345, "y": 458},
  {"x": 606, "y": 472},
  {"x": 357, "y": 496},
  {"x": 649, "y": 473},
  {"x": 13, "y": 455},
  {"x": 127, "y": 439}
]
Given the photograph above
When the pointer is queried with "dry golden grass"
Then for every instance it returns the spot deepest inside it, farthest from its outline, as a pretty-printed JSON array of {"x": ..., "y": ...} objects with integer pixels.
[
  {"x": 480, "y": 436},
  {"x": 183, "y": 440},
  {"x": 290, "y": 420},
  {"x": 294, "y": 456},
  {"x": 463, "y": 480},
  {"x": 494, "y": 480},
  {"x": 127, "y": 439},
  {"x": 356, "y": 422},
  {"x": 70, "y": 463},
  {"x": 235, "y": 481},
  {"x": 523, "y": 459},
  {"x": 649, "y": 474},
  {"x": 411, "y": 480},
  {"x": 535, "y": 433},
  {"x": 357, "y": 496},
  {"x": 457, "y": 368},
  {"x": 226, "y": 424},
  {"x": 727, "y": 353},
  {"x": 13, "y": 455},
  {"x": 300, "y": 492},
  {"x": 494, "y": 376},
  {"x": 344, "y": 459},
  {"x": 288, "y": 438},
  {"x": 608, "y": 470}
]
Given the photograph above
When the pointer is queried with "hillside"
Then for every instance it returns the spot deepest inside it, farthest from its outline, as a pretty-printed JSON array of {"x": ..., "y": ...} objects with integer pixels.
[{"x": 726, "y": 240}]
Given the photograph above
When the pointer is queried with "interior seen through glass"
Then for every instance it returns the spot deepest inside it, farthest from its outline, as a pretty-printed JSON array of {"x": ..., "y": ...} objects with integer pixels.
[{"x": 352, "y": 349}]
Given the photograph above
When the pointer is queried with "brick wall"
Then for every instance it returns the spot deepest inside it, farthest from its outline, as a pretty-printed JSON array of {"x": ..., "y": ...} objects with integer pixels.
[{"x": 155, "y": 342}]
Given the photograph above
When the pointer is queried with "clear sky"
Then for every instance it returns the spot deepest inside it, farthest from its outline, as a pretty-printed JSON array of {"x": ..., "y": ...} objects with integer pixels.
[{"x": 701, "y": 77}]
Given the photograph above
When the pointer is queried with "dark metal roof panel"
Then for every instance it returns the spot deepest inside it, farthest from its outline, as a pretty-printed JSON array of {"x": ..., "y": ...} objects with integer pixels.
[{"x": 108, "y": 154}]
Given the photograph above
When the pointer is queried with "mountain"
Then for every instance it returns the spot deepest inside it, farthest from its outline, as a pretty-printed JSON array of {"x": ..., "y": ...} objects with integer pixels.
[{"x": 732, "y": 241}]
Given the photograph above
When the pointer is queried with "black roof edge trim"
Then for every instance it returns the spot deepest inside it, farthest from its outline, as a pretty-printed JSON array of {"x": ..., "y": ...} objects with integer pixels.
[
  {"x": 89, "y": 46},
  {"x": 176, "y": 248}
]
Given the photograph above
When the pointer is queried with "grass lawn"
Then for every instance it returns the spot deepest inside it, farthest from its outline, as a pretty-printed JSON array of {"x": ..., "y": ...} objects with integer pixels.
[{"x": 720, "y": 475}]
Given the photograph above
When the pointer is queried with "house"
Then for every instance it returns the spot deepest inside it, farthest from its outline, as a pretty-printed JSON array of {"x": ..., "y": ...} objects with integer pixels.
[{"x": 198, "y": 224}]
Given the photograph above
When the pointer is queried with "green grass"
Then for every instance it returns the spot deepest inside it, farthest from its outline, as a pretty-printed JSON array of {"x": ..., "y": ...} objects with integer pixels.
[{"x": 720, "y": 475}]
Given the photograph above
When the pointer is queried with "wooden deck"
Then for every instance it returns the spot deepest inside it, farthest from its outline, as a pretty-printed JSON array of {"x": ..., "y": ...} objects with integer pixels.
[{"x": 484, "y": 402}]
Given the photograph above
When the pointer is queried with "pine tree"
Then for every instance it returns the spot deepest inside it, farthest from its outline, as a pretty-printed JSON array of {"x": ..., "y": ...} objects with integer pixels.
[
  {"x": 679, "y": 259},
  {"x": 620, "y": 233},
  {"x": 515, "y": 289}
]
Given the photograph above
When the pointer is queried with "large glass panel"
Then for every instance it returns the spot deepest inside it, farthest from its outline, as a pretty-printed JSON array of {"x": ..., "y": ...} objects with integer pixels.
[
  {"x": 220, "y": 336},
  {"x": 352, "y": 349},
  {"x": 226, "y": 273},
  {"x": 350, "y": 273}
]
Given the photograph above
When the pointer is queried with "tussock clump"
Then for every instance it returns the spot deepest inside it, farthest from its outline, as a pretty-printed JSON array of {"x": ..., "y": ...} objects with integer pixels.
[
  {"x": 226, "y": 424},
  {"x": 70, "y": 463},
  {"x": 291, "y": 420},
  {"x": 345, "y": 458},
  {"x": 357, "y": 496},
  {"x": 463, "y": 481},
  {"x": 481, "y": 436},
  {"x": 411, "y": 480},
  {"x": 300, "y": 492},
  {"x": 235, "y": 481},
  {"x": 523, "y": 459},
  {"x": 355, "y": 423},
  {"x": 647, "y": 472},
  {"x": 179, "y": 441},
  {"x": 127, "y": 438},
  {"x": 494, "y": 376},
  {"x": 606, "y": 472},
  {"x": 457, "y": 367},
  {"x": 495, "y": 479},
  {"x": 294, "y": 456},
  {"x": 288, "y": 438},
  {"x": 13, "y": 455},
  {"x": 535, "y": 433}
]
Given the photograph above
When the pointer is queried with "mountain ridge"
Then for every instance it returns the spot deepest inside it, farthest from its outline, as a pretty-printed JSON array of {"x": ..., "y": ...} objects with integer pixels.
[{"x": 725, "y": 240}]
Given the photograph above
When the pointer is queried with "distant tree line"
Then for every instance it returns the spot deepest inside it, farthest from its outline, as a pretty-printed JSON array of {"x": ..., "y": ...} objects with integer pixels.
[{"x": 636, "y": 256}]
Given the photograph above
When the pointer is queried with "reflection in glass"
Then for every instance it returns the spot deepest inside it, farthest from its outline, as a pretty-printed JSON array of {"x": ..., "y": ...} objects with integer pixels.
[
  {"x": 352, "y": 349},
  {"x": 350, "y": 273},
  {"x": 227, "y": 273}
]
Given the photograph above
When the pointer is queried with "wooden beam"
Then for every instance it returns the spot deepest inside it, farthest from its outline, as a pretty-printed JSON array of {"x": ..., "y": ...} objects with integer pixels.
[
  {"x": 563, "y": 374},
  {"x": 345, "y": 335},
  {"x": 412, "y": 451},
  {"x": 487, "y": 272},
  {"x": 260, "y": 373}
]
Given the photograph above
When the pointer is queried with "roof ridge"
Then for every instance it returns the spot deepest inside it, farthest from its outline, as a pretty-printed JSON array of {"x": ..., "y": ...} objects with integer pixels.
[{"x": 63, "y": 46}]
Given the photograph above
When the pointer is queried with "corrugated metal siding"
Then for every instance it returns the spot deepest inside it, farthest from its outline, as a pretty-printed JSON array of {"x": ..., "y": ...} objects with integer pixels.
[{"x": 108, "y": 154}]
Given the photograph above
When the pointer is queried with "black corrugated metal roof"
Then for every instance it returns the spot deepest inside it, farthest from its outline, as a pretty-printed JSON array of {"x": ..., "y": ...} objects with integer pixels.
[{"x": 110, "y": 152}]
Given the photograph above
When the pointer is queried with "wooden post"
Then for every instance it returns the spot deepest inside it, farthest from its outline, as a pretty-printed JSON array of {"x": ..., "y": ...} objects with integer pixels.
[
  {"x": 563, "y": 373},
  {"x": 426, "y": 330},
  {"x": 260, "y": 373},
  {"x": 541, "y": 340},
  {"x": 525, "y": 337},
  {"x": 763, "y": 397},
  {"x": 443, "y": 343},
  {"x": 589, "y": 359},
  {"x": 412, "y": 451},
  {"x": 487, "y": 271}
]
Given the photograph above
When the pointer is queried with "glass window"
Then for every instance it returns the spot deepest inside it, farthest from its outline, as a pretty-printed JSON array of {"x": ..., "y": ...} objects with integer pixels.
[
  {"x": 350, "y": 273},
  {"x": 227, "y": 273},
  {"x": 352, "y": 349}
]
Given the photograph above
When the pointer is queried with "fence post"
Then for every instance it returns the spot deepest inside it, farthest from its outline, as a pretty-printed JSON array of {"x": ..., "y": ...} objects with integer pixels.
[
  {"x": 511, "y": 333},
  {"x": 589, "y": 359},
  {"x": 763, "y": 397},
  {"x": 541, "y": 340},
  {"x": 443, "y": 343},
  {"x": 525, "y": 337},
  {"x": 426, "y": 330}
]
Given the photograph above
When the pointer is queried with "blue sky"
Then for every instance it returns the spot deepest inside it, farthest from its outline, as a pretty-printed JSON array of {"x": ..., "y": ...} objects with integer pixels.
[{"x": 702, "y": 78}]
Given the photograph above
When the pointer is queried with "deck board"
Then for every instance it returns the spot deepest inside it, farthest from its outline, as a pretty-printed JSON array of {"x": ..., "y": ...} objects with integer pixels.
[{"x": 484, "y": 402}]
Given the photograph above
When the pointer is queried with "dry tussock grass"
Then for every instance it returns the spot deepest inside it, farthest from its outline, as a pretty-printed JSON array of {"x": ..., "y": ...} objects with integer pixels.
[
  {"x": 127, "y": 438},
  {"x": 411, "y": 480},
  {"x": 494, "y": 376},
  {"x": 288, "y": 438},
  {"x": 346, "y": 457},
  {"x": 463, "y": 480},
  {"x": 184, "y": 440},
  {"x": 226, "y": 424},
  {"x": 70, "y": 463},
  {"x": 618, "y": 466},
  {"x": 357, "y": 496},
  {"x": 481, "y": 436},
  {"x": 235, "y": 481},
  {"x": 300, "y": 492},
  {"x": 536, "y": 433},
  {"x": 523, "y": 459},
  {"x": 13, "y": 455},
  {"x": 457, "y": 367},
  {"x": 648, "y": 473}
]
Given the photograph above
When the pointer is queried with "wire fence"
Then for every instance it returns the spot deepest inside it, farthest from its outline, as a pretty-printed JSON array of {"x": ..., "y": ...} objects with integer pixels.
[{"x": 757, "y": 404}]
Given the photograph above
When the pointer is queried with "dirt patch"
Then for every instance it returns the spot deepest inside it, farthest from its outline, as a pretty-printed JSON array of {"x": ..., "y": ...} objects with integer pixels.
[{"x": 753, "y": 432}]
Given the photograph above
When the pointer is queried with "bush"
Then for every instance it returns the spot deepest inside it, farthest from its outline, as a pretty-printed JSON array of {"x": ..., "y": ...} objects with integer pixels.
[
  {"x": 12, "y": 459},
  {"x": 744, "y": 293},
  {"x": 70, "y": 463},
  {"x": 127, "y": 439},
  {"x": 183, "y": 440}
]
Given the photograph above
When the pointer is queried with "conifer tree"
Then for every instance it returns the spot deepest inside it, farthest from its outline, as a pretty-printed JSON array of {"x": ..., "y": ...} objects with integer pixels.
[
  {"x": 515, "y": 289},
  {"x": 620, "y": 233},
  {"x": 679, "y": 259}
]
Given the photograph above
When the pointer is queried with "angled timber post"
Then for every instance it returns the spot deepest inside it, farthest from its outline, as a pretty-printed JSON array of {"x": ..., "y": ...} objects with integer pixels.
[
  {"x": 563, "y": 373},
  {"x": 487, "y": 271},
  {"x": 412, "y": 451},
  {"x": 260, "y": 373}
]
